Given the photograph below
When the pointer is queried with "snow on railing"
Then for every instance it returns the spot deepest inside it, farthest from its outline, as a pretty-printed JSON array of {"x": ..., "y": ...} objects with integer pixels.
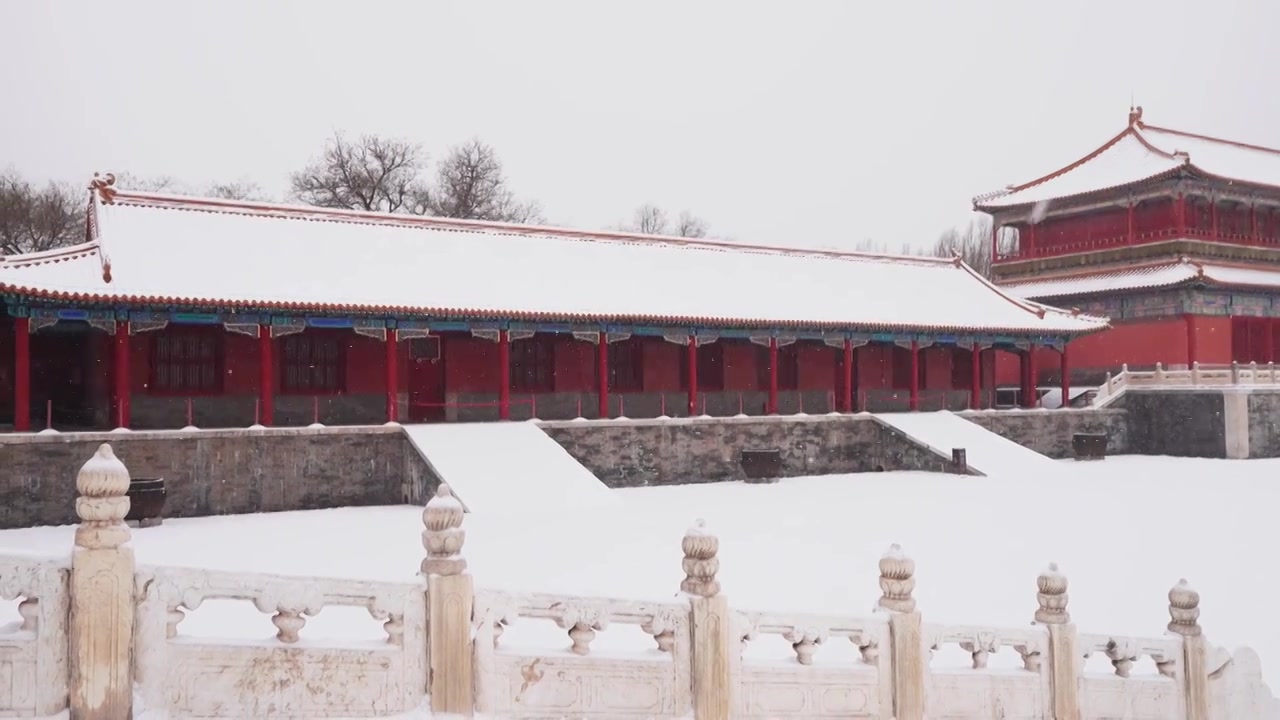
[
  {"x": 688, "y": 655},
  {"x": 1198, "y": 375},
  {"x": 33, "y": 651}
]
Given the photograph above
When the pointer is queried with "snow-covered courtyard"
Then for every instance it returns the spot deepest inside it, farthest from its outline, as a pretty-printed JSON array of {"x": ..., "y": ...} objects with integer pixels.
[{"x": 1123, "y": 530}]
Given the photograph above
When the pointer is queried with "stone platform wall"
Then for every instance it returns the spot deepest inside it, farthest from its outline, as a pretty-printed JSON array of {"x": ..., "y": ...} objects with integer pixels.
[
  {"x": 636, "y": 453},
  {"x": 1049, "y": 432},
  {"x": 218, "y": 472}
]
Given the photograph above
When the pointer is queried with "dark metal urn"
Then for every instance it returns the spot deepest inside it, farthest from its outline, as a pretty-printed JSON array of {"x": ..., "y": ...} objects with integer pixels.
[
  {"x": 1089, "y": 446},
  {"x": 761, "y": 466},
  {"x": 146, "y": 501}
]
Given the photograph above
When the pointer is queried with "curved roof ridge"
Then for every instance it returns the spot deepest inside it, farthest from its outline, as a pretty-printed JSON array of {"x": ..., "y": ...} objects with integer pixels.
[
  {"x": 315, "y": 213},
  {"x": 44, "y": 256},
  {"x": 1060, "y": 171},
  {"x": 1209, "y": 138}
]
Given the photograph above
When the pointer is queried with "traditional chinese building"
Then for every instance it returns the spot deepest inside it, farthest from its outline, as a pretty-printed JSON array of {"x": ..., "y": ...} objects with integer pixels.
[
  {"x": 1173, "y": 235},
  {"x": 179, "y": 310}
]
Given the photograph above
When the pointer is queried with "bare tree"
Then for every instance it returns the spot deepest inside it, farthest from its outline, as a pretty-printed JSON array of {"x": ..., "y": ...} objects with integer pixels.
[
  {"x": 649, "y": 220},
  {"x": 238, "y": 190},
  {"x": 157, "y": 184},
  {"x": 373, "y": 173},
  {"x": 973, "y": 244},
  {"x": 470, "y": 184},
  {"x": 691, "y": 226},
  {"x": 36, "y": 219}
]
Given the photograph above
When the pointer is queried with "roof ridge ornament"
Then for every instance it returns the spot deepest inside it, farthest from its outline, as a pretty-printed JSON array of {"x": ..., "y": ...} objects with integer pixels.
[
  {"x": 105, "y": 185},
  {"x": 1135, "y": 115}
]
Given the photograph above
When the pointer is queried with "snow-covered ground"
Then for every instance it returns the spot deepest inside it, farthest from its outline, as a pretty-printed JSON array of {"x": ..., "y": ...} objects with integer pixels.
[{"x": 1123, "y": 530}]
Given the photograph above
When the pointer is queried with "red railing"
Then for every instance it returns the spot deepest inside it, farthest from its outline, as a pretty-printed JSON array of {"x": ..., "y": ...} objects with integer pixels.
[{"x": 1141, "y": 238}]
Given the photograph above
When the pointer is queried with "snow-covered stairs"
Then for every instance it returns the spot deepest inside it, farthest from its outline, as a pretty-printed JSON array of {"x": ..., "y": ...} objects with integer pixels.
[{"x": 507, "y": 467}]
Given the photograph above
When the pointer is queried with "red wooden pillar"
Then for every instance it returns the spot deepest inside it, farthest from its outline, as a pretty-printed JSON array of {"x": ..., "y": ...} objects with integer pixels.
[
  {"x": 1180, "y": 214},
  {"x": 1191, "y": 338},
  {"x": 602, "y": 375},
  {"x": 122, "y": 377},
  {"x": 504, "y": 375},
  {"x": 995, "y": 242},
  {"x": 22, "y": 374},
  {"x": 1066, "y": 378},
  {"x": 849, "y": 393},
  {"x": 393, "y": 377},
  {"x": 1029, "y": 377},
  {"x": 1131, "y": 236},
  {"x": 1213, "y": 218},
  {"x": 1024, "y": 384},
  {"x": 266, "y": 377},
  {"x": 975, "y": 382},
  {"x": 914, "y": 398},
  {"x": 1030, "y": 250},
  {"x": 1253, "y": 223},
  {"x": 772, "y": 406},
  {"x": 691, "y": 357}
]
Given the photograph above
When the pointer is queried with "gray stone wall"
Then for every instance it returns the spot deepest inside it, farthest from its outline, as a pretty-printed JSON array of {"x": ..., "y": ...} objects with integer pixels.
[
  {"x": 670, "y": 452},
  {"x": 1049, "y": 432},
  {"x": 1183, "y": 423},
  {"x": 215, "y": 472},
  {"x": 153, "y": 412},
  {"x": 1264, "y": 424}
]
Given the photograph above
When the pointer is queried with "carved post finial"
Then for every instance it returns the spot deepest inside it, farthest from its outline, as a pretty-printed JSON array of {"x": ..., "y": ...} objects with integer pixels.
[
  {"x": 1051, "y": 592},
  {"x": 102, "y": 486},
  {"x": 897, "y": 581},
  {"x": 443, "y": 536},
  {"x": 700, "y": 561},
  {"x": 105, "y": 185},
  {"x": 1184, "y": 610}
]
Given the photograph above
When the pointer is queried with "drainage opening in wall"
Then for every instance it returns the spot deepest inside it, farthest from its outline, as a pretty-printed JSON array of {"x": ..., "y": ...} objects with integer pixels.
[{"x": 879, "y": 468}]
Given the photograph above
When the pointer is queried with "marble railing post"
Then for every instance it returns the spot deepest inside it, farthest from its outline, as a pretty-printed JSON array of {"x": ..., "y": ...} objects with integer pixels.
[
  {"x": 1184, "y": 614},
  {"x": 1064, "y": 664},
  {"x": 102, "y": 602},
  {"x": 897, "y": 583},
  {"x": 450, "y": 596},
  {"x": 711, "y": 623}
]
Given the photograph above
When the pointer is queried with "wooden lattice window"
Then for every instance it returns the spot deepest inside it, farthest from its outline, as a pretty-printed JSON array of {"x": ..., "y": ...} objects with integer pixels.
[
  {"x": 186, "y": 361},
  {"x": 626, "y": 366},
  {"x": 533, "y": 364},
  {"x": 311, "y": 363}
]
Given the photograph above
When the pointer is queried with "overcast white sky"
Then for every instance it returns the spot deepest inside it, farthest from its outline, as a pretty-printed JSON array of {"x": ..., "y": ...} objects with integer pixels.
[{"x": 803, "y": 122}]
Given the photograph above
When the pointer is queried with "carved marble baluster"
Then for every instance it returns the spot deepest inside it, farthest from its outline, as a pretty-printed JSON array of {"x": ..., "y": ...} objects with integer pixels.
[
  {"x": 1122, "y": 656},
  {"x": 805, "y": 643},
  {"x": 289, "y": 602},
  {"x": 29, "y": 609},
  {"x": 581, "y": 634},
  {"x": 1166, "y": 666},
  {"x": 1032, "y": 660},
  {"x": 392, "y": 623},
  {"x": 662, "y": 629},
  {"x": 582, "y": 624},
  {"x": 977, "y": 651},
  {"x": 499, "y": 626},
  {"x": 173, "y": 617},
  {"x": 868, "y": 647},
  {"x": 394, "y": 627},
  {"x": 288, "y": 624}
]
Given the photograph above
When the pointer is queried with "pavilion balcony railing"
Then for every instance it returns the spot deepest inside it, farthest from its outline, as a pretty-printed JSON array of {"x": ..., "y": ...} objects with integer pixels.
[{"x": 1056, "y": 249}]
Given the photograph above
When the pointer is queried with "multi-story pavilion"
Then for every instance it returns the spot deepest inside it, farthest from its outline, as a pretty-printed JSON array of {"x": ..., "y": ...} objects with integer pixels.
[{"x": 1173, "y": 235}]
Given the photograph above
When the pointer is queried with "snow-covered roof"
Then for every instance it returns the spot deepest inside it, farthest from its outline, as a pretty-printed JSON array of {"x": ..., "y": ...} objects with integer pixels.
[
  {"x": 192, "y": 252},
  {"x": 1139, "y": 153},
  {"x": 1144, "y": 277}
]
